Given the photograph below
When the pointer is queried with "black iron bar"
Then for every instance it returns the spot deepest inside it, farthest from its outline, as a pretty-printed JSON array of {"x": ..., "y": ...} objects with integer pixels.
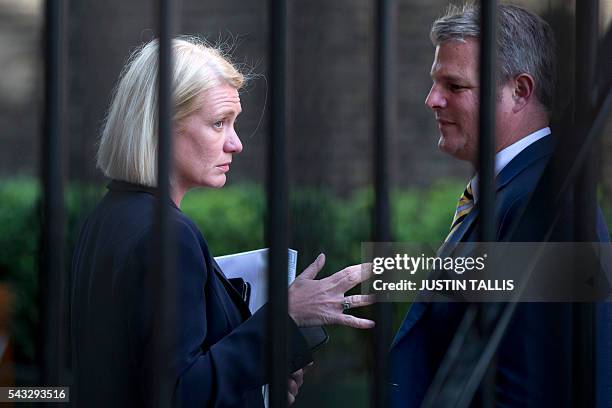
[
  {"x": 52, "y": 275},
  {"x": 583, "y": 380},
  {"x": 486, "y": 147},
  {"x": 277, "y": 190},
  {"x": 487, "y": 223},
  {"x": 385, "y": 128},
  {"x": 165, "y": 296}
]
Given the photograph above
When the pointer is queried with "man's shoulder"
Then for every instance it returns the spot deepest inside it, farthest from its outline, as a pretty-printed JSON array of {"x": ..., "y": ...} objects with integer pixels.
[
  {"x": 524, "y": 171},
  {"x": 528, "y": 165},
  {"x": 520, "y": 180}
]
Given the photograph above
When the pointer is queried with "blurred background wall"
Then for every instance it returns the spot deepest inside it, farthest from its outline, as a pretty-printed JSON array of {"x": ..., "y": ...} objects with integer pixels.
[{"x": 331, "y": 70}]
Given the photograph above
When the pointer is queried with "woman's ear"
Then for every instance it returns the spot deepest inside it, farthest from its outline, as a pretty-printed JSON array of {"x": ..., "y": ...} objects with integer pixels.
[{"x": 522, "y": 92}]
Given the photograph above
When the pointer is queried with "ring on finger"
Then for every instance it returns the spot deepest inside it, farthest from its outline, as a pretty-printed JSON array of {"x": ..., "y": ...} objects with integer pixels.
[{"x": 346, "y": 305}]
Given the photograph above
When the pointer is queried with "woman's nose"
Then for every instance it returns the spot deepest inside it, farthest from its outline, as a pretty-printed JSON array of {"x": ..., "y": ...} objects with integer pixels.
[{"x": 233, "y": 143}]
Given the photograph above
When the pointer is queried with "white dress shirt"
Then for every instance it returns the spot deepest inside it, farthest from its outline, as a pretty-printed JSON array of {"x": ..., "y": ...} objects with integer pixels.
[{"x": 506, "y": 155}]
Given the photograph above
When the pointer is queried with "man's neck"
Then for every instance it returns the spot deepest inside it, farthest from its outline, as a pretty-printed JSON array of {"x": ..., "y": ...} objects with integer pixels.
[{"x": 530, "y": 120}]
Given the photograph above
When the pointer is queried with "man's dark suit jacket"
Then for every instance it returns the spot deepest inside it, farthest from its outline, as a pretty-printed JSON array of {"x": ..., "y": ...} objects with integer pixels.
[
  {"x": 218, "y": 359},
  {"x": 533, "y": 367}
]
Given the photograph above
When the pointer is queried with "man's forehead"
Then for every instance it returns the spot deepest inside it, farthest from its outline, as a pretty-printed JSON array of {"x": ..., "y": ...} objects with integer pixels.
[{"x": 455, "y": 58}]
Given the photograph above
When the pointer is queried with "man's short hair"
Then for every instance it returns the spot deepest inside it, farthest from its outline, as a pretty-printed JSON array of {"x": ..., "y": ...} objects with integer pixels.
[
  {"x": 526, "y": 43},
  {"x": 128, "y": 145}
]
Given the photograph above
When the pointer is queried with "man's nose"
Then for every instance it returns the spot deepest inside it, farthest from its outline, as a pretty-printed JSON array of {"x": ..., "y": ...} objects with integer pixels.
[{"x": 435, "y": 99}]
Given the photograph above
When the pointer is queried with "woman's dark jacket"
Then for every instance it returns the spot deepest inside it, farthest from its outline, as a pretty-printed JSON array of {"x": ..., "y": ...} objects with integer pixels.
[{"x": 219, "y": 355}]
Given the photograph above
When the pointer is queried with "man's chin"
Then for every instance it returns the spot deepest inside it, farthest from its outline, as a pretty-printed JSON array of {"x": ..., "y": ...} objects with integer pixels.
[
  {"x": 445, "y": 147},
  {"x": 452, "y": 149}
]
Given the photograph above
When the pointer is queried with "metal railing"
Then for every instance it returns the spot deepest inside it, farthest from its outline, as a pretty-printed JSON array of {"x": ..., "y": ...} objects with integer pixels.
[
  {"x": 277, "y": 236},
  {"x": 52, "y": 276},
  {"x": 452, "y": 374},
  {"x": 385, "y": 108},
  {"x": 164, "y": 286}
]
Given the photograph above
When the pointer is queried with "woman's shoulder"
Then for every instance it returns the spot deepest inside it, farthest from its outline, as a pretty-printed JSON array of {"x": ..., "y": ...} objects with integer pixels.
[
  {"x": 128, "y": 214},
  {"x": 181, "y": 230},
  {"x": 185, "y": 229}
]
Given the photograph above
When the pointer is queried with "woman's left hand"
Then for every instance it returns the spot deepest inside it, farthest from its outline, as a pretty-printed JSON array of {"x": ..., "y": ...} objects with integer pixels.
[{"x": 322, "y": 302}]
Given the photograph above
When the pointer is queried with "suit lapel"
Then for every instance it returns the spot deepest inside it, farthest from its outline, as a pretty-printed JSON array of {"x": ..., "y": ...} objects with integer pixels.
[
  {"x": 446, "y": 249},
  {"x": 414, "y": 314}
]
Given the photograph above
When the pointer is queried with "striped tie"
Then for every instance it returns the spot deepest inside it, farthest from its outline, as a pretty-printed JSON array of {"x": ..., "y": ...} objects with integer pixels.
[{"x": 464, "y": 206}]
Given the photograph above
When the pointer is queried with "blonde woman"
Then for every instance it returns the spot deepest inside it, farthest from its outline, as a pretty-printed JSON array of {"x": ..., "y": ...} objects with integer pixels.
[{"x": 219, "y": 355}]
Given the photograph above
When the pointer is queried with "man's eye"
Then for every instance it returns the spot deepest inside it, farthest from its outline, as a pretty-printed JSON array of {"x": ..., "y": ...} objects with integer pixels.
[
  {"x": 456, "y": 88},
  {"x": 218, "y": 124}
]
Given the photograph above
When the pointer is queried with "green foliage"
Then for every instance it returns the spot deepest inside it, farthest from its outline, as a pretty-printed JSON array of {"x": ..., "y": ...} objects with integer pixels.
[
  {"x": 20, "y": 234},
  {"x": 424, "y": 215},
  {"x": 232, "y": 220},
  {"x": 19, "y": 237}
]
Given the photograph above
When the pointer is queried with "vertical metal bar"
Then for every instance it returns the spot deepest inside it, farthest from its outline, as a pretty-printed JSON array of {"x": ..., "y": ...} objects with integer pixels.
[
  {"x": 486, "y": 151},
  {"x": 52, "y": 276},
  {"x": 585, "y": 97},
  {"x": 604, "y": 66},
  {"x": 585, "y": 197},
  {"x": 385, "y": 128},
  {"x": 277, "y": 206},
  {"x": 486, "y": 161},
  {"x": 164, "y": 284}
]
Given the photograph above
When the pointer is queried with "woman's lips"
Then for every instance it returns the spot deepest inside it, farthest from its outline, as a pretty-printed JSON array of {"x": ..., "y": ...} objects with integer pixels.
[{"x": 224, "y": 167}]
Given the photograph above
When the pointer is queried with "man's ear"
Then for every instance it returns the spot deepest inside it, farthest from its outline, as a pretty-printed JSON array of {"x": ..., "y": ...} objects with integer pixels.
[{"x": 524, "y": 86}]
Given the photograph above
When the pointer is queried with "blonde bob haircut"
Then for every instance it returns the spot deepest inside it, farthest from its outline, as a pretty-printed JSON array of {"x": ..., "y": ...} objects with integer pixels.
[{"x": 128, "y": 144}]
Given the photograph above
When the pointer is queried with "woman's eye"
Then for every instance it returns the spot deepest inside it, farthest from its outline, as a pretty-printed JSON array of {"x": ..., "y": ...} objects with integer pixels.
[{"x": 218, "y": 124}]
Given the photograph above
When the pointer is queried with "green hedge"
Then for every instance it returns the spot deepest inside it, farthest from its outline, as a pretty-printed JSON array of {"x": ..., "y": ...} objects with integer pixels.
[
  {"x": 232, "y": 219},
  {"x": 19, "y": 237}
]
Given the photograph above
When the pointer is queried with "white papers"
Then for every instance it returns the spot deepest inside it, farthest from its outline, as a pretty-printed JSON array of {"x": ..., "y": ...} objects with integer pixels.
[{"x": 252, "y": 266}]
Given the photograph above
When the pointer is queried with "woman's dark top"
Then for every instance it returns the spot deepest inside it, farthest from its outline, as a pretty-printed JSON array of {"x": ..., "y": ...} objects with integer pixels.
[{"x": 219, "y": 355}]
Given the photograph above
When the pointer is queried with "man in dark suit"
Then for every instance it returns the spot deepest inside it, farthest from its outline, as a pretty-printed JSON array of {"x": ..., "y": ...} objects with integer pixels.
[{"x": 533, "y": 368}]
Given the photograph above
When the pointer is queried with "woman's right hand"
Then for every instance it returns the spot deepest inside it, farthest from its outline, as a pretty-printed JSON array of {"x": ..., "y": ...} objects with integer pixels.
[{"x": 322, "y": 302}]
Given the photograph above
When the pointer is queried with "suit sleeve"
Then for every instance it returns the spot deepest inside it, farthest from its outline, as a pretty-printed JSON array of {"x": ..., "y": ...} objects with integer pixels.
[{"x": 216, "y": 375}]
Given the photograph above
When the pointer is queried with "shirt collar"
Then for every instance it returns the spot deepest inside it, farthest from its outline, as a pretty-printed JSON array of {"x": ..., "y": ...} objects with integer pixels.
[{"x": 505, "y": 156}]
